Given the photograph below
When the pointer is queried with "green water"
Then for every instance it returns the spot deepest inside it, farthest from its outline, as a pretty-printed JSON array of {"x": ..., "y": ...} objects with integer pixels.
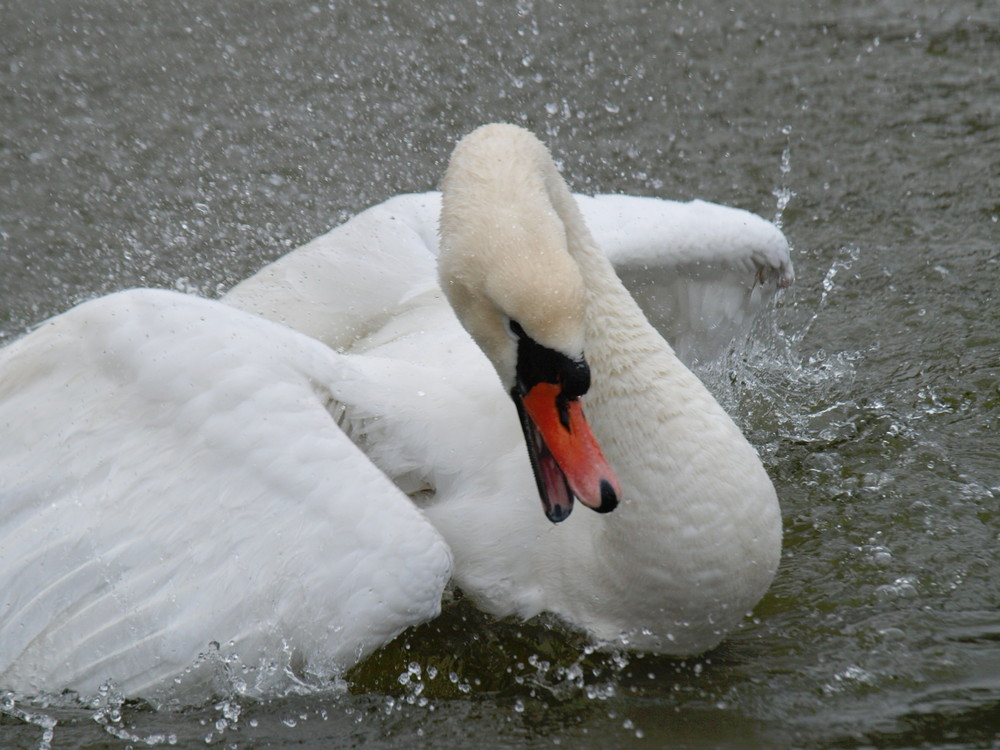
[{"x": 185, "y": 144}]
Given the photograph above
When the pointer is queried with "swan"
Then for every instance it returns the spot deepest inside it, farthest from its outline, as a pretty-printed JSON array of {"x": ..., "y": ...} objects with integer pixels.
[{"x": 294, "y": 473}]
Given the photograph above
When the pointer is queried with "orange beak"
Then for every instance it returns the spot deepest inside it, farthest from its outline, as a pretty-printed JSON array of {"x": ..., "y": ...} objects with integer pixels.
[{"x": 564, "y": 453}]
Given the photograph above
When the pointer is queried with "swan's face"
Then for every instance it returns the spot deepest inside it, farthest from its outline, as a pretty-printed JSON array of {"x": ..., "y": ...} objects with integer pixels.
[
  {"x": 520, "y": 295},
  {"x": 565, "y": 456}
]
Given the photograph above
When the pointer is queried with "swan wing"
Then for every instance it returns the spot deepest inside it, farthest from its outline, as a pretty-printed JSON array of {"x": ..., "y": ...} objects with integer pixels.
[
  {"x": 705, "y": 271},
  {"x": 170, "y": 476},
  {"x": 347, "y": 283}
]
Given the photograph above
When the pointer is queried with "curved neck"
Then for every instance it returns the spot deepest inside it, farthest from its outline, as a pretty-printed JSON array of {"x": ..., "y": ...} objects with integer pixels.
[
  {"x": 633, "y": 368},
  {"x": 616, "y": 326}
]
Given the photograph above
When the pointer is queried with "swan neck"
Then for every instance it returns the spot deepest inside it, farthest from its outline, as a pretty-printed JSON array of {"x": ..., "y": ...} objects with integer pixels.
[{"x": 611, "y": 309}]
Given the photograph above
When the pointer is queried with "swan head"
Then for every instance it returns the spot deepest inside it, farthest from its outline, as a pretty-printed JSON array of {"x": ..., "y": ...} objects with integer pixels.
[{"x": 508, "y": 274}]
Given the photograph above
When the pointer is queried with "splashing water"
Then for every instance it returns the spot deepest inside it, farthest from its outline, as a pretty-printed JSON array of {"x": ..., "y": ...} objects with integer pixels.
[
  {"x": 784, "y": 193},
  {"x": 9, "y": 707}
]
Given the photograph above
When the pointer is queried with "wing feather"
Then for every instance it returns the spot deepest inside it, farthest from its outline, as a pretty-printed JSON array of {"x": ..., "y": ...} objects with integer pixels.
[{"x": 171, "y": 477}]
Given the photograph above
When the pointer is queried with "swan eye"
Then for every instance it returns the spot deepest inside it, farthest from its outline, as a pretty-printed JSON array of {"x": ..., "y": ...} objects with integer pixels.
[{"x": 514, "y": 330}]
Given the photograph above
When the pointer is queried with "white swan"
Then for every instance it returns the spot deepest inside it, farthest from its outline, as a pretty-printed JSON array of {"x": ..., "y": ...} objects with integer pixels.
[{"x": 171, "y": 473}]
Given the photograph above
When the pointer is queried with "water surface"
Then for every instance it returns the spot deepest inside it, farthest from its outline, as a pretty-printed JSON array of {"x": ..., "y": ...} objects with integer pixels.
[{"x": 184, "y": 144}]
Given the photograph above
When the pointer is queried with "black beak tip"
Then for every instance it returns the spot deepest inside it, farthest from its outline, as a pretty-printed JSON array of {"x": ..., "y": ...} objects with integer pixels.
[
  {"x": 609, "y": 498},
  {"x": 558, "y": 513}
]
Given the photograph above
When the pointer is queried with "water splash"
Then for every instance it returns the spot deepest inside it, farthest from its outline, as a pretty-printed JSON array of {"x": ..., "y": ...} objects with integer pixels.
[
  {"x": 9, "y": 707},
  {"x": 784, "y": 194},
  {"x": 107, "y": 712},
  {"x": 413, "y": 684},
  {"x": 846, "y": 258}
]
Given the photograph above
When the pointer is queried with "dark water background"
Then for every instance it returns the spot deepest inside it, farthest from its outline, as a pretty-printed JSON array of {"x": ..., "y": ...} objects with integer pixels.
[{"x": 184, "y": 144}]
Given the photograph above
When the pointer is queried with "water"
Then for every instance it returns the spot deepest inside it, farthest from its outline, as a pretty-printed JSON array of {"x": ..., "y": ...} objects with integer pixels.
[{"x": 185, "y": 144}]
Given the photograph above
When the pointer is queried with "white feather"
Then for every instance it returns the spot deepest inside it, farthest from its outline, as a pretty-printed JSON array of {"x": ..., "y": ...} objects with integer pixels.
[{"x": 171, "y": 477}]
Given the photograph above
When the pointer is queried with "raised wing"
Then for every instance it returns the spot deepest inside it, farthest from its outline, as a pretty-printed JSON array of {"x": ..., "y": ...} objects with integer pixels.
[
  {"x": 702, "y": 272},
  {"x": 170, "y": 477}
]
